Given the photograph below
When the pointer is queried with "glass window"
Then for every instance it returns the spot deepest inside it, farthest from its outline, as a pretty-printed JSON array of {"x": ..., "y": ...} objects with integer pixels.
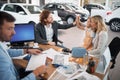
[
  {"x": 33, "y": 9},
  {"x": 100, "y": 7},
  {"x": 96, "y": 7},
  {"x": 18, "y": 1},
  {"x": 19, "y": 9},
  {"x": 51, "y": 6},
  {"x": 67, "y": 7},
  {"x": 9, "y": 8},
  {"x": 61, "y": 7}
]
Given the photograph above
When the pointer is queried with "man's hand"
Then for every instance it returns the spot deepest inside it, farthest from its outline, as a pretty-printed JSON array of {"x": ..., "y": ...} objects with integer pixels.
[
  {"x": 40, "y": 70},
  {"x": 52, "y": 43},
  {"x": 32, "y": 51},
  {"x": 76, "y": 20},
  {"x": 79, "y": 23},
  {"x": 74, "y": 23}
]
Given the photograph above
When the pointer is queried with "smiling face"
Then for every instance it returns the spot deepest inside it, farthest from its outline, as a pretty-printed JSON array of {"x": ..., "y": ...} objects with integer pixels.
[
  {"x": 89, "y": 23},
  {"x": 97, "y": 24},
  {"x": 7, "y": 31},
  {"x": 93, "y": 24},
  {"x": 49, "y": 19}
]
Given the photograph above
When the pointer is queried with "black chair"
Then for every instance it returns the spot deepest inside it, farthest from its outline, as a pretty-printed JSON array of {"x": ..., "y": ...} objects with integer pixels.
[
  {"x": 61, "y": 42},
  {"x": 65, "y": 49},
  {"x": 114, "y": 47}
]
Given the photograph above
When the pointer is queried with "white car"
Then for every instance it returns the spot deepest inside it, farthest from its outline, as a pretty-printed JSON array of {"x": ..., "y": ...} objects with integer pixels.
[
  {"x": 97, "y": 9},
  {"x": 113, "y": 20},
  {"x": 26, "y": 13}
]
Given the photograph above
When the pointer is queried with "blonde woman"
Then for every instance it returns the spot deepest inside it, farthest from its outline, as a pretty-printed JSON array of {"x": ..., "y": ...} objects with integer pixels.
[
  {"x": 89, "y": 33},
  {"x": 101, "y": 37}
]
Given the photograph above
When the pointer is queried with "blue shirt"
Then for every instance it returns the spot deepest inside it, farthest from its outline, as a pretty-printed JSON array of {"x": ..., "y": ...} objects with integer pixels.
[{"x": 7, "y": 69}]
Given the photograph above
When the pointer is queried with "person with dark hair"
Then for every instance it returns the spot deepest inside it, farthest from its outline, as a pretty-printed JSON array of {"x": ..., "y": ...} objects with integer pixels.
[
  {"x": 7, "y": 69},
  {"x": 47, "y": 29},
  {"x": 7, "y": 17},
  {"x": 114, "y": 73}
]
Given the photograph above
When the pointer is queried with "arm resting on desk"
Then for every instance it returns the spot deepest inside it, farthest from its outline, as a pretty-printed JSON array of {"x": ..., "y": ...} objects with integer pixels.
[{"x": 15, "y": 52}]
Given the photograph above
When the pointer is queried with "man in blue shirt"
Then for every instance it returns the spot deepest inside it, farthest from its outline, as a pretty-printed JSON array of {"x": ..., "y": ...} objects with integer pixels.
[{"x": 7, "y": 69}]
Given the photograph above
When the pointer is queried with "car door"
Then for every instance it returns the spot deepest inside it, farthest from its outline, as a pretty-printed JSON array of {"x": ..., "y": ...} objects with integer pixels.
[
  {"x": 18, "y": 12},
  {"x": 61, "y": 11}
]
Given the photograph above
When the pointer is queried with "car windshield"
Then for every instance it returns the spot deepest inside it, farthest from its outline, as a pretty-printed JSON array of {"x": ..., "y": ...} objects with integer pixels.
[
  {"x": 75, "y": 7},
  {"x": 67, "y": 7},
  {"x": 33, "y": 9}
]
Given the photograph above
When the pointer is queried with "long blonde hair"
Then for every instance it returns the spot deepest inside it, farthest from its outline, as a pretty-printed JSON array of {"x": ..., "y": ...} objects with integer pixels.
[{"x": 100, "y": 23}]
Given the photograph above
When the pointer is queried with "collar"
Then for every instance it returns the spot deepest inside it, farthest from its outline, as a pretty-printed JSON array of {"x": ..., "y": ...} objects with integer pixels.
[
  {"x": 46, "y": 26},
  {"x": 4, "y": 44},
  {"x": 4, "y": 47}
]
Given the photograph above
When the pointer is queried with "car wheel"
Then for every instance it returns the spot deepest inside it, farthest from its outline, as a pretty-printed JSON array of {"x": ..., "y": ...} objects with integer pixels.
[
  {"x": 70, "y": 20},
  {"x": 115, "y": 25}
]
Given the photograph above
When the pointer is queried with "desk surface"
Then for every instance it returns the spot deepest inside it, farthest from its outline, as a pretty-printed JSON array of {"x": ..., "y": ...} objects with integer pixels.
[
  {"x": 23, "y": 63},
  {"x": 45, "y": 47}
]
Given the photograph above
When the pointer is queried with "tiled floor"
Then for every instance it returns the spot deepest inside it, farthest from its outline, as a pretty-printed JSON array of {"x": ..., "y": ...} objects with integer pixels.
[{"x": 73, "y": 37}]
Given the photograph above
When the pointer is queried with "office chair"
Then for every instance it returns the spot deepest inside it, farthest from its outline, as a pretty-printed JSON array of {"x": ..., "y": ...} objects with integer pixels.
[
  {"x": 65, "y": 49},
  {"x": 114, "y": 47},
  {"x": 61, "y": 42}
]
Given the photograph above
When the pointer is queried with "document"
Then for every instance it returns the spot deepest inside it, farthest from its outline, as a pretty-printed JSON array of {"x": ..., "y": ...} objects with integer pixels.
[
  {"x": 36, "y": 61},
  {"x": 20, "y": 57},
  {"x": 61, "y": 59},
  {"x": 51, "y": 53},
  {"x": 59, "y": 74},
  {"x": 84, "y": 76}
]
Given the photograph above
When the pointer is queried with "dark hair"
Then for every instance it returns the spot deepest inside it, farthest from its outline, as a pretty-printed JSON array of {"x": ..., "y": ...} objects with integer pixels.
[
  {"x": 5, "y": 16},
  {"x": 44, "y": 15}
]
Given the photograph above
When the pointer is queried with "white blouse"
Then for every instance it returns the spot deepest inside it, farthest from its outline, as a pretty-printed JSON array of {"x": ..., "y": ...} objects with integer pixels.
[{"x": 49, "y": 32}]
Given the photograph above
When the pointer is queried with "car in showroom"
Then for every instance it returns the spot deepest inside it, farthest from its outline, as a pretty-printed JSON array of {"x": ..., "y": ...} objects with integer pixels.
[
  {"x": 26, "y": 13},
  {"x": 97, "y": 9},
  {"x": 64, "y": 11},
  {"x": 113, "y": 20},
  {"x": 79, "y": 9}
]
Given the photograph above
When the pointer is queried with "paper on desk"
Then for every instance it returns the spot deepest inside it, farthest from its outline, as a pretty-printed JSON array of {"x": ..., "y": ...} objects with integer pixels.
[
  {"x": 51, "y": 53},
  {"x": 61, "y": 59},
  {"x": 84, "y": 76},
  {"x": 20, "y": 57},
  {"x": 36, "y": 61},
  {"x": 59, "y": 74}
]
